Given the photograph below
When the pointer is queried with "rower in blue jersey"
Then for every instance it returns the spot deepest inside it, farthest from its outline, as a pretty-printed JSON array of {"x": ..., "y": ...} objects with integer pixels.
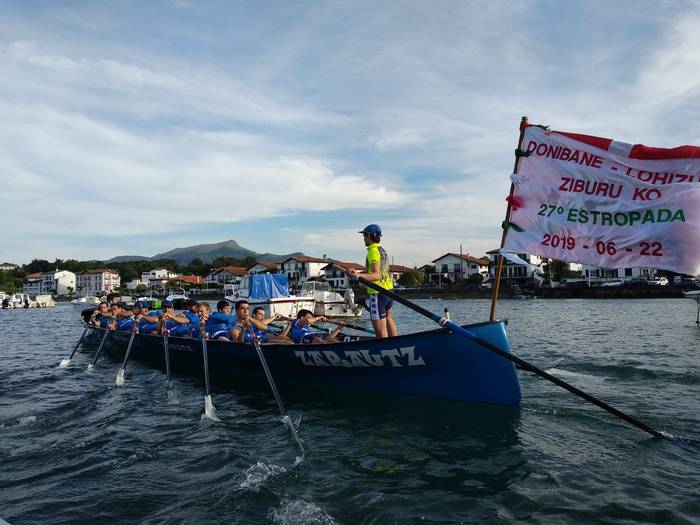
[
  {"x": 272, "y": 337},
  {"x": 191, "y": 309},
  {"x": 301, "y": 332},
  {"x": 147, "y": 321},
  {"x": 176, "y": 324},
  {"x": 241, "y": 332},
  {"x": 102, "y": 316},
  {"x": 124, "y": 318},
  {"x": 218, "y": 325}
]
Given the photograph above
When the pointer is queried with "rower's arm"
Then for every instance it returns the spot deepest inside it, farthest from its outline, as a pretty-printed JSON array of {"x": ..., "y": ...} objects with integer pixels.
[
  {"x": 285, "y": 332},
  {"x": 238, "y": 334},
  {"x": 180, "y": 319}
]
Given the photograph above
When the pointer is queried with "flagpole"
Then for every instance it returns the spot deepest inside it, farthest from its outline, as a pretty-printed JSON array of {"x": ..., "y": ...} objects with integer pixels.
[{"x": 499, "y": 266}]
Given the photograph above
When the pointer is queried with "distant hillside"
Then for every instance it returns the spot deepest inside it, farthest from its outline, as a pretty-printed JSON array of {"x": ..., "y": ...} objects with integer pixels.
[
  {"x": 128, "y": 258},
  {"x": 207, "y": 252}
]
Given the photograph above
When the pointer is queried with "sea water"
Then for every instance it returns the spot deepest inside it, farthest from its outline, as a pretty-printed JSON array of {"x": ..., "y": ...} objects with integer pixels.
[{"x": 76, "y": 448}]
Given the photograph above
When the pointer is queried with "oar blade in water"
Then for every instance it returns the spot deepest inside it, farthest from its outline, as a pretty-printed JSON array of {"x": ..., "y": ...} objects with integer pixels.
[
  {"x": 209, "y": 410},
  {"x": 120, "y": 377}
]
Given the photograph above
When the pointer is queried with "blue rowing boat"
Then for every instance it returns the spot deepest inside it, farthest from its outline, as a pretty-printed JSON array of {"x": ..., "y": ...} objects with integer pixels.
[{"x": 435, "y": 363}]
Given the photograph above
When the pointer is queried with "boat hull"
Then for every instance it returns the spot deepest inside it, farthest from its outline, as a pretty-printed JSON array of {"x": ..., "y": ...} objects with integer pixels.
[{"x": 436, "y": 363}]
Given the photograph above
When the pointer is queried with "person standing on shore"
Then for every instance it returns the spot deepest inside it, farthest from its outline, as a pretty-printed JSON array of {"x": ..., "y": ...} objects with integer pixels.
[{"x": 377, "y": 271}]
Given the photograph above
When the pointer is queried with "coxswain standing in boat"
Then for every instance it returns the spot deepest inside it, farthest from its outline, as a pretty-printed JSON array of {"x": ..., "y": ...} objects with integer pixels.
[
  {"x": 176, "y": 324},
  {"x": 218, "y": 324},
  {"x": 377, "y": 271}
]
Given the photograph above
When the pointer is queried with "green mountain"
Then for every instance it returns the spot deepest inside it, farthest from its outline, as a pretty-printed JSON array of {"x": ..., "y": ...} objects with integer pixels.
[{"x": 208, "y": 252}]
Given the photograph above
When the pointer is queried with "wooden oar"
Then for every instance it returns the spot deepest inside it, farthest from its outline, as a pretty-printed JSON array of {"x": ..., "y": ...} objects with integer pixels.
[
  {"x": 99, "y": 348},
  {"x": 285, "y": 418},
  {"x": 445, "y": 323},
  {"x": 209, "y": 410},
  {"x": 166, "y": 332},
  {"x": 120, "y": 374},
  {"x": 66, "y": 361},
  {"x": 353, "y": 326}
]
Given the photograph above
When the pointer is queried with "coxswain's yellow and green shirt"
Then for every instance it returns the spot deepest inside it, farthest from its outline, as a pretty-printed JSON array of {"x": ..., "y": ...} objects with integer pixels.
[{"x": 377, "y": 254}]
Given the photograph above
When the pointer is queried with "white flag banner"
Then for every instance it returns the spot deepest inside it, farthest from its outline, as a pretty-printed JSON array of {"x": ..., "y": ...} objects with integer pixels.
[{"x": 580, "y": 198}]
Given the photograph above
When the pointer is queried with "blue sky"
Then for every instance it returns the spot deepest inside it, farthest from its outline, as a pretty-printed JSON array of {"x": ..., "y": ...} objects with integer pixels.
[{"x": 136, "y": 127}]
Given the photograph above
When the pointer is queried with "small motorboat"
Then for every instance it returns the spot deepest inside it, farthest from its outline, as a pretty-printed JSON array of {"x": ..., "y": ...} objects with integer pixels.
[
  {"x": 271, "y": 291},
  {"x": 86, "y": 301}
]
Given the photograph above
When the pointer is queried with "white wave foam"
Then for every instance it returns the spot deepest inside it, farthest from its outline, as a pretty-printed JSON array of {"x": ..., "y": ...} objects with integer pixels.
[
  {"x": 567, "y": 373},
  {"x": 300, "y": 512},
  {"x": 257, "y": 474},
  {"x": 28, "y": 420}
]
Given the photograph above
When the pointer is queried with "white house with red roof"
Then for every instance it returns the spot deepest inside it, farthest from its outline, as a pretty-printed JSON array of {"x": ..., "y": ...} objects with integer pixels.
[
  {"x": 225, "y": 275},
  {"x": 454, "y": 266},
  {"x": 97, "y": 281},
  {"x": 336, "y": 278},
  {"x": 301, "y": 267},
  {"x": 264, "y": 267}
]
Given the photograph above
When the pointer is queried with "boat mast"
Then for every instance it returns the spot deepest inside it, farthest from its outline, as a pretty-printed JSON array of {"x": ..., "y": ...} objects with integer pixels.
[{"x": 499, "y": 257}]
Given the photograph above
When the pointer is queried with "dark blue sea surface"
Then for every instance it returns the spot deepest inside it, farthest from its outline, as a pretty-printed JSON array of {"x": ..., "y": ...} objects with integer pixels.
[{"x": 75, "y": 448}]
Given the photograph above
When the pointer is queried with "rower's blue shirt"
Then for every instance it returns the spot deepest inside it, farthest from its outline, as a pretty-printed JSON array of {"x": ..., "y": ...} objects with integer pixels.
[
  {"x": 260, "y": 334},
  {"x": 104, "y": 321},
  {"x": 193, "y": 324},
  {"x": 147, "y": 326},
  {"x": 218, "y": 322},
  {"x": 301, "y": 334},
  {"x": 125, "y": 323},
  {"x": 177, "y": 329}
]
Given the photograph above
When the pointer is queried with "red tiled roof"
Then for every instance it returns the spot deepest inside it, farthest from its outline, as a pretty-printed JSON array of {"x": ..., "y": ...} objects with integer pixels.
[
  {"x": 188, "y": 279},
  {"x": 465, "y": 257},
  {"x": 266, "y": 264},
  {"x": 345, "y": 265},
  {"x": 37, "y": 275},
  {"x": 399, "y": 268},
  {"x": 304, "y": 258},
  {"x": 100, "y": 270},
  {"x": 238, "y": 271}
]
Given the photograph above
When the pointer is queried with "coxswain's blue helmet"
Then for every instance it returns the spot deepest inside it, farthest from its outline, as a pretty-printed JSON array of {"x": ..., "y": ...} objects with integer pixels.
[{"x": 372, "y": 229}]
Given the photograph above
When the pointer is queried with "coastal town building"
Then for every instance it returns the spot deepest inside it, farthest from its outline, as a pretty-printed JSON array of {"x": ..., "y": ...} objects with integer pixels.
[
  {"x": 58, "y": 282},
  {"x": 157, "y": 277},
  {"x": 264, "y": 267},
  {"x": 97, "y": 281},
  {"x": 337, "y": 278},
  {"x": 8, "y": 267},
  {"x": 135, "y": 283},
  {"x": 514, "y": 273},
  {"x": 397, "y": 271},
  {"x": 32, "y": 283},
  {"x": 180, "y": 282},
  {"x": 301, "y": 268},
  {"x": 455, "y": 266},
  {"x": 589, "y": 272},
  {"x": 225, "y": 275}
]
